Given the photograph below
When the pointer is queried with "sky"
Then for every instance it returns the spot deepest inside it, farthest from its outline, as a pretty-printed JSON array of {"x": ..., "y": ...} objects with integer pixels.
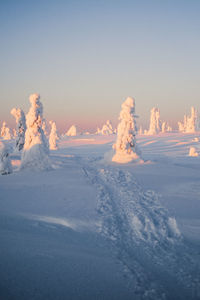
[{"x": 85, "y": 57}]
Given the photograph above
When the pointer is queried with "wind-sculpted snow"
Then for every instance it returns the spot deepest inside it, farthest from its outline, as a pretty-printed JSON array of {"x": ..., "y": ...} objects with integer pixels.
[{"x": 144, "y": 237}]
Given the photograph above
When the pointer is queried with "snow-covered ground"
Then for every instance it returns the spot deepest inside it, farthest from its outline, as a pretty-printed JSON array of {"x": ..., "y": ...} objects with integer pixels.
[{"x": 93, "y": 229}]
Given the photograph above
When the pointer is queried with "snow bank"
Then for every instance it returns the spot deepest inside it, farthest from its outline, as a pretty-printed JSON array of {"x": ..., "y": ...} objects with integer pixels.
[{"x": 125, "y": 146}]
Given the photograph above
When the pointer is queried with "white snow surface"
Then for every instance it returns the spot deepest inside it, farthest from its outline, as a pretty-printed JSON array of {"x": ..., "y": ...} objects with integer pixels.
[{"x": 89, "y": 229}]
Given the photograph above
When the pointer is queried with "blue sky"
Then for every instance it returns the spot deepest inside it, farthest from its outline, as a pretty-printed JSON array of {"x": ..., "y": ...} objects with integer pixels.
[{"x": 86, "y": 57}]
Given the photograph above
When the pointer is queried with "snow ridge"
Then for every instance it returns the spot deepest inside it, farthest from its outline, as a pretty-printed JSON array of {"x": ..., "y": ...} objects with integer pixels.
[{"x": 145, "y": 238}]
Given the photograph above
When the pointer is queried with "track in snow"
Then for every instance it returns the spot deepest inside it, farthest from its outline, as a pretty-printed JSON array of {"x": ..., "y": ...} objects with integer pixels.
[{"x": 144, "y": 237}]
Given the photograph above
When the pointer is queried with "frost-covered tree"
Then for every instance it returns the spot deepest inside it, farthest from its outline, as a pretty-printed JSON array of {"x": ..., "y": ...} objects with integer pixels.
[
  {"x": 7, "y": 135},
  {"x": 190, "y": 123},
  {"x": 164, "y": 127},
  {"x": 5, "y": 132},
  {"x": 3, "y": 129},
  {"x": 126, "y": 149},
  {"x": 98, "y": 130},
  {"x": 53, "y": 138},
  {"x": 107, "y": 128},
  {"x": 72, "y": 131},
  {"x": 193, "y": 152},
  {"x": 36, "y": 152},
  {"x": 155, "y": 123},
  {"x": 44, "y": 126},
  {"x": 14, "y": 133},
  {"x": 140, "y": 130},
  {"x": 5, "y": 163},
  {"x": 21, "y": 127}
]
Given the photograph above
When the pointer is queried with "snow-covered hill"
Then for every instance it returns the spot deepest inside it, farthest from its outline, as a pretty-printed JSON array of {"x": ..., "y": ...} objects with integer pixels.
[{"x": 93, "y": 229}]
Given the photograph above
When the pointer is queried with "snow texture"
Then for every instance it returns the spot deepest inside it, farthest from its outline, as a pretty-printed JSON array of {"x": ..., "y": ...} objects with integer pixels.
[
  {"x": 36, "y": 152},
  {"x": 126, "y": 149},
  {"x": 5, "y": 163},
  {"x": 21, "y": 127},
  {"x": 143, "y": 234}
]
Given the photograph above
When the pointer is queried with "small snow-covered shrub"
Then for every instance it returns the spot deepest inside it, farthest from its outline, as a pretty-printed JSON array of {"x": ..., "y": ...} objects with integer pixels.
[
  {"x": 126, "y": 149},
  {"x": 5, "y": 163}
]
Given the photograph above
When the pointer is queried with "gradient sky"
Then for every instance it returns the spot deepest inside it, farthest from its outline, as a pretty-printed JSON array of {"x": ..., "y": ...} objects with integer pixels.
[{"x": 86, "y": 57}]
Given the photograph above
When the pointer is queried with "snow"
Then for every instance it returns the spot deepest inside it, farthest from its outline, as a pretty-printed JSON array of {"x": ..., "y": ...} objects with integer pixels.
[
  {"x": 190, "y": 123},
  {"x": 193, "y": 152},
  {"x": 53, "y": 138},
  {"x": 5, "y": 162},
  {"x": 93, "y": 229},
  {"x": 126, "y": 149},
  {"x": 72, "y": 131},
  {"x": 35, "y": 151},
  {"x": 155, "y": 123},
  {"x": 21, "y": 127},
  {"x": 106, "y": 129}
]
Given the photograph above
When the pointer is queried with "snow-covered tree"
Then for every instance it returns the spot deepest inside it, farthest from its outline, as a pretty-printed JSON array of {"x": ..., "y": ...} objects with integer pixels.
[
  {"x": 7, "y": 135},
  {"x": 44, "y": 126},
  {"x": 21, "y": 127},
  {"x": 193, "y": 152},
  {"x": 190, "y": 123},
  {"x": 140, "y": 130},
  {"x": 5, "y": 163},
  {"x": 3, "y": 129},
  {"x": 5, "y": 132},
  {"x": 126, "y": 149},
  {"x": 155, "y": 123},
  {"x": 53, "y": 136},
  {"x": 164, "y": 127},
  {"x": 72, "y": 131},
  {"x": 14, "y": 133},
  {"x": 36, "y": 152},
  {"x": 107, "y": 128},
  {"x": 98, "y": 130}
]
